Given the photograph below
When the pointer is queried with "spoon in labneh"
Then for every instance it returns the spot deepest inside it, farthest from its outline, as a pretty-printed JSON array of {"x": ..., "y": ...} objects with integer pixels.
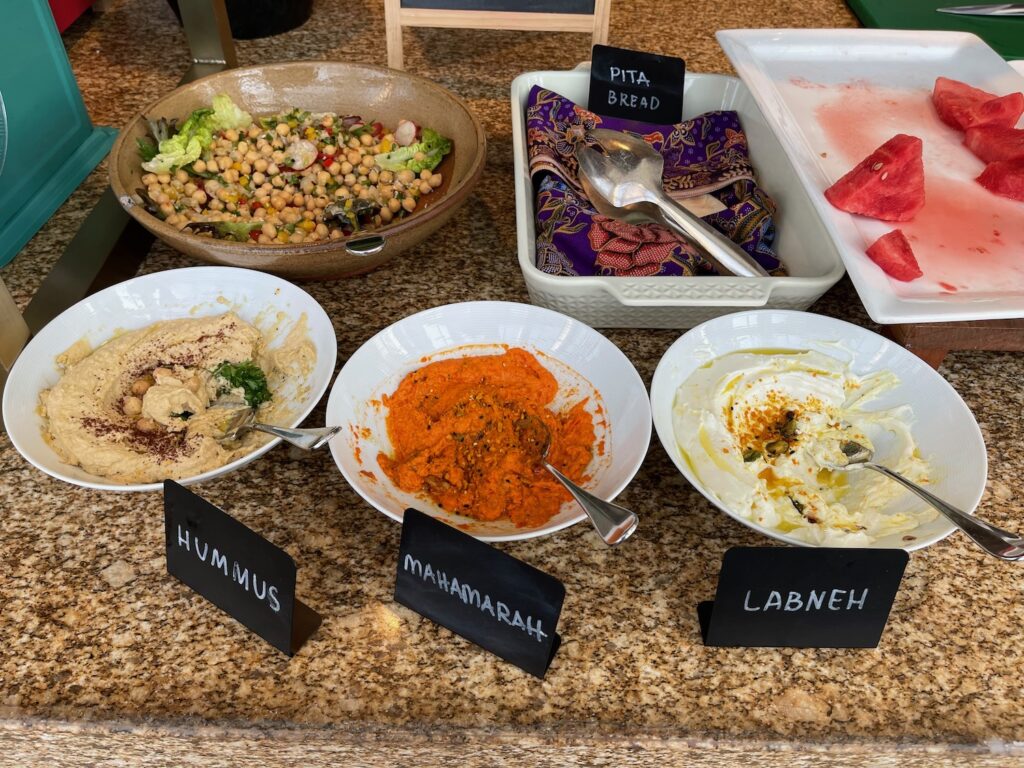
[{"x": 993, "y": 540}]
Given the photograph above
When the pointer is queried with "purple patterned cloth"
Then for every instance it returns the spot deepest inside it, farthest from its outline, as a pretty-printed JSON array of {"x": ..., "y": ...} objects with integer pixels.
[{"x": 704, "y": 156}]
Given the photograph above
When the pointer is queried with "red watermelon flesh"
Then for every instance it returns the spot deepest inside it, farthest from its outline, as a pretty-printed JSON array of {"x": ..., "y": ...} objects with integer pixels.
[
  {"x": 888, "y": 184},
  {"x": 1005, "y": 178},
  {"x": 962, "y": 106},
  {"x": 991, "y": 143},
  {"x": 893, "y": 254}
]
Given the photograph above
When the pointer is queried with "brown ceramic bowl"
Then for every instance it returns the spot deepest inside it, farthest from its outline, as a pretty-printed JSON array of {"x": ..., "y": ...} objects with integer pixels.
[{"x": 374, "y": 93}]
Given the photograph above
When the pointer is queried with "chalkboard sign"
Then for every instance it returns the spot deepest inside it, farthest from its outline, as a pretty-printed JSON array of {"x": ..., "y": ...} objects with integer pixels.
[
  {"x": 479, "y": 592},
  {"x": 589, "y": 16},
  {"x": 797, "y": 597},
  {"x": 235, "y": 568}
]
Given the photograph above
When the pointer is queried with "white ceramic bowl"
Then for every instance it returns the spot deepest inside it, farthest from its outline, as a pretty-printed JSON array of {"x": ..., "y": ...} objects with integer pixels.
[
  {"x": 576, "y": 354},
  {"x": 945, "y": 429},
  {"x": 256, "y": 297}
]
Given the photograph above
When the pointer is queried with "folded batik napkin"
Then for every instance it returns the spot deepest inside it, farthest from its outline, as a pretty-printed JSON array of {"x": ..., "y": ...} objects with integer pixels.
[{"x": 705, "y": 157}]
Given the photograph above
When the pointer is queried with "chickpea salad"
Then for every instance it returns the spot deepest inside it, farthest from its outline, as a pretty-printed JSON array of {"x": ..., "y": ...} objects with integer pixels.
[{"x": 294, "y": 177}]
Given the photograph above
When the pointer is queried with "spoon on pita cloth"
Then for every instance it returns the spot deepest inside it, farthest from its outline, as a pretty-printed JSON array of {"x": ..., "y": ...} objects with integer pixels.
[
  {"x": 614, "y": 524},
  {"x": 626, "y": 176},
  {"x": 993, "y": 540}
]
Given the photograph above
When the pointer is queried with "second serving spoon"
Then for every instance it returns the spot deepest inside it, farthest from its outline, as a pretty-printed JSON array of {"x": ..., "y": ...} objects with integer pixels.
[
  {"x": 625, "y": 178},
  {"x": 995, "y": 541},
  {"x": 614, "y": 524}
]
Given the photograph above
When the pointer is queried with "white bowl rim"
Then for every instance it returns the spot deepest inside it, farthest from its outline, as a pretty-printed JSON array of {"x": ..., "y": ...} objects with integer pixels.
[
  {"x": 659, "y": 380},
  {"x": 629, "y": 476},
  {"x": 139, "y": 487}
]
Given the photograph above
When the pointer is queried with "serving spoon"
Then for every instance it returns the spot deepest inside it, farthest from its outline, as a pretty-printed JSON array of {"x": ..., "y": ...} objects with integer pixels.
[
  {"x": 245, "y": 420},
  {"x": 995, "y": 541},
  {"x": 624, "y": 181},
  {"x": 614, "y": 524}
]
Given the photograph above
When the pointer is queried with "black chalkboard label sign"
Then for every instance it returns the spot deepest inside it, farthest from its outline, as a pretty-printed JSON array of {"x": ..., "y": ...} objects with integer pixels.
[
  {"x": 488, "y": 597},
  {"x": 636, "y": 86},
  {"x": 235, "y": 568},
  {"x": 799, "y": 597}
]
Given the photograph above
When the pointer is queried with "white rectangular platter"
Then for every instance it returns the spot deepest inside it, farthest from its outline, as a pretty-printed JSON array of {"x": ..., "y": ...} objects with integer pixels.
[{"x": 834, "y": 95}]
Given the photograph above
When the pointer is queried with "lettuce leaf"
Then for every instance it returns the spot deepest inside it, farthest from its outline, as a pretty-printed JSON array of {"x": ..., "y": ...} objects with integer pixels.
[
  {"x": 196, "y": 134},
  {"x": 227, "y": 114},
  {"x": 432, "y": 144}
]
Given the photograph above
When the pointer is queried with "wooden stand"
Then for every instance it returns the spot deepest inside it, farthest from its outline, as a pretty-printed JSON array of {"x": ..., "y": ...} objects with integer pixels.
[
  {"x": 933, "y": 341},
  {"x": 396, "y": 16}
]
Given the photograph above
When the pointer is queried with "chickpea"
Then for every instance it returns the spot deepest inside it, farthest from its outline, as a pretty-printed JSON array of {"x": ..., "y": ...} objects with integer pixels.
[
  {"x": 386, "y": 215},
  {"x": 242, "y": 147},
  {"x": 386, "y": 177},
  {"x": 425, "y": 175},
  {"x": 254, "y": 132},
  {"x": 310, "y": 202},
  {"x": 350, "y": 179},
  {"x": 373, "y": 176},
  {"x": 329, "y": 150},
  {"x": 327, "y": 122},
  {"x": 141, "y": 386},
  {"x": 273, "y": 170},
  {"x": 296, "y": 237},
  {"x": 166, "y": 209},
  {"x": 336, "y": 234},
  {"x": 150, "y": 178},
  {"x": 223, "y": 163},
  {"x": 277, "y": 181},
  {"x": 246, "y": 167},
  {"x": 216, "y": 205},
  {"x": 419, "y": 157},
  {"x": 308, "y": 215},
  {"x": 346, "y": 167},
  {"x": 406, "y": 176},
  {"x": 264, "y": 240},
  {"x": 277, "y": 144},
  {"x": 190, "y": 189},
  {"x": 258, "y": 178},
  {"x": 252, "y": 156},
  {"x": 323, "y": 177},
  {"x": 364, "y": 193},
  {"x": 342, "y": 193},
  {"x": 354, "y": 157},
  {"x": 298, "y": 200},
  {"x": 366, "y": 139},
  {"x": 290, "y": 217},
  {"x": 231, "y": 135},
  {"x": 278, "y": 202},
  {"x": 321, "y": 230},
  {"x": 435, "y": 180},
  {"x": 367, "y": 162},
  {"x": 278, "y": 156},
  {"x": 394, "y": 204},
  {"x": 283, "y": 129},
  {"x": 425, "y": 188},
  {"x": 164, "y": 178},
  {"x": 230, "y": 176},
  {"x": 146, "y": 425},
  {"x": 199, "y": 197},
  {"x": 266, "y": 150},
  {"x": 409, "y": 204},
  {"x": 312, "y": 237},
  {"x": 354, "y": 142}
]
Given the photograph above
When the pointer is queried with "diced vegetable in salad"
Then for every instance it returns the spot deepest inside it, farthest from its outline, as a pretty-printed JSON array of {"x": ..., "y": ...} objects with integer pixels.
[{"x": 289, "y": 178}]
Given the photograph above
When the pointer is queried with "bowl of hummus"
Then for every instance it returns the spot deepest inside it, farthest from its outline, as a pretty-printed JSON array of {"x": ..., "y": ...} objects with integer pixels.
[
  {"x": 754, "y": 408},
  {"x": 140, "y": 383}
]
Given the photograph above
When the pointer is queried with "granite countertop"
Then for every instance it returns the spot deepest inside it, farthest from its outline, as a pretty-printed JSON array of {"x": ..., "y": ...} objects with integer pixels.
[{"x": 99, "y": 645}]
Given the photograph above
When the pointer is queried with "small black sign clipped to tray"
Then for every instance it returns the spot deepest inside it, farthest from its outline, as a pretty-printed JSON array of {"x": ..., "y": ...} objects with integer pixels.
[
  {"x": 799, "y": 597},
  {"x": 636, "y": 86},
  {"x": 488, "y": 597},
  {"x": 236, "y": 569}
]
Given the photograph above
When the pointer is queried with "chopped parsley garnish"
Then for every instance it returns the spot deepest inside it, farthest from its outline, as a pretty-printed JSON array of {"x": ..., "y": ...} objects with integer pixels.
[{"x": 246, "y": 376}]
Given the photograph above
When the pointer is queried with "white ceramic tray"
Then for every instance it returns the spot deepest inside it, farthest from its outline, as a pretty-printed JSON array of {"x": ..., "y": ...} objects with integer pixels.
[
  {"x": 681, "y": 302},
  {"x": 832, "y": 96}
]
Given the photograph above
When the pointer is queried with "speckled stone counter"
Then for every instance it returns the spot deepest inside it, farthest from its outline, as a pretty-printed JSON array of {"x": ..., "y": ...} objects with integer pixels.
[{"x": 105, "y": 660}]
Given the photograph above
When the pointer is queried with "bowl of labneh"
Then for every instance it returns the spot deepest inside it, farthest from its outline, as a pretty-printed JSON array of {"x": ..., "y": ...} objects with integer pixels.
[
  {"x": 140, "y": 382},
  {"x": 754, "y": 407},
  {"x": 434, "y": 409}
]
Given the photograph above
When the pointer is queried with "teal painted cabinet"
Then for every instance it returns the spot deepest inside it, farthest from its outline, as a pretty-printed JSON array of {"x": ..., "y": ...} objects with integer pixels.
[{"x": 48, "y": 145}]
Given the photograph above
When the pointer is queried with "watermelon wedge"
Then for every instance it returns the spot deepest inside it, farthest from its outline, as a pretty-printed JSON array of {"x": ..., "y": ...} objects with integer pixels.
[
  {"x": 962, "y": 106},
  {"x": 1005, "y": 177},
  {"x": 893, "y": 254},
  {"x": 991, "y": 143},
  {"x": 888, "y": 184}
]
